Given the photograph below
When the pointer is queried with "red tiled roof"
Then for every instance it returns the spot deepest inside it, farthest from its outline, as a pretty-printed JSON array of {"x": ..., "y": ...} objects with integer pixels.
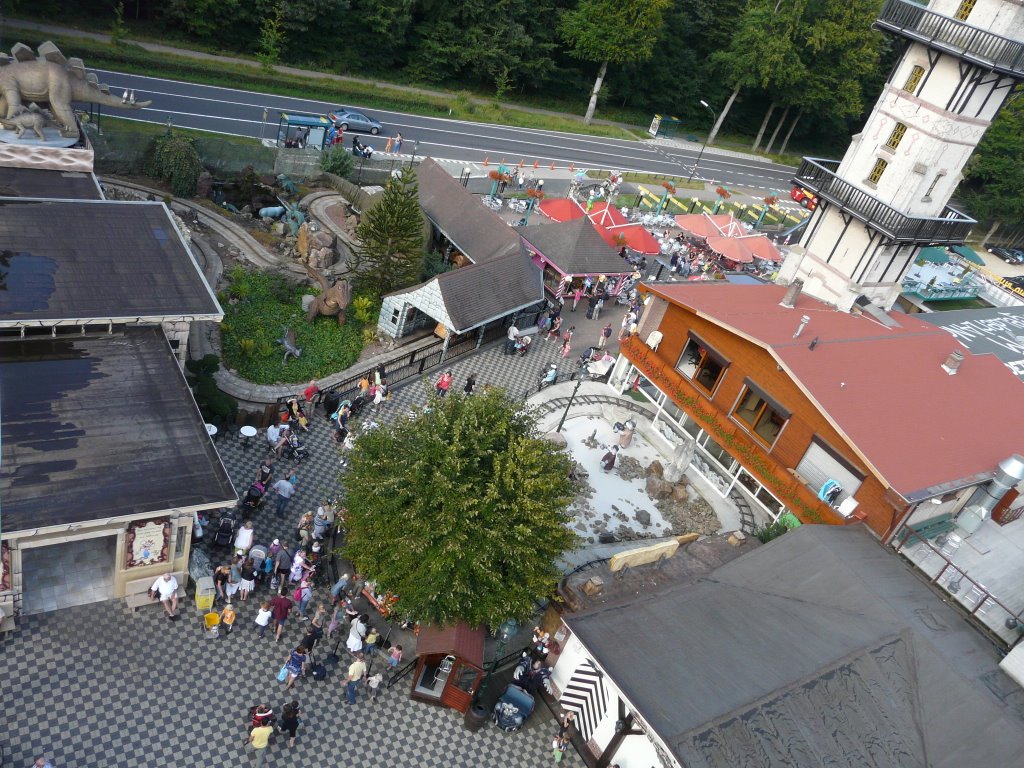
[
  {"x": 457, "y": 639},
  {"x": 883, "y": 388}
]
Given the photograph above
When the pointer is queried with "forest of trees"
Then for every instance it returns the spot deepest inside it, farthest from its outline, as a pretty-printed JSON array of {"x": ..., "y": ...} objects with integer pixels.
[{"x": 812, "y": 64}]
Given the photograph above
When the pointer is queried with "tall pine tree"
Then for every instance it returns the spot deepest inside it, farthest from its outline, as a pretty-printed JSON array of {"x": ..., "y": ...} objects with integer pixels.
[{"x": 390, "y": 255}]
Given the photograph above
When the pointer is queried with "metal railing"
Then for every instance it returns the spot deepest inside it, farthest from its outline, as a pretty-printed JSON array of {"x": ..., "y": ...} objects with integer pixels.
[
  {"x": 947, "y": 34},
  {"x": 938, "y": 292},
  {"x": 819, "y": 175},
  {"x": 952, "y": 579}
]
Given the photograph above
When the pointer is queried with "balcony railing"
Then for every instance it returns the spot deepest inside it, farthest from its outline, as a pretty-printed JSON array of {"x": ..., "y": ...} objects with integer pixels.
[
  {"x": 943, "y": 33},
  {"x": 940, "y": 292},
  {"x": 820, "y": 177}
]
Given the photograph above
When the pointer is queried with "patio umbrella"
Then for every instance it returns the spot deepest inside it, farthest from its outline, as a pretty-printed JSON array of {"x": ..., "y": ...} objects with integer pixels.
[
  {"x": 934, "y": 255},
  {"x": 633, "y": 236},
  {"x": 732, "y": 248},
  {"x": 704, "y": 225},
  {"x": 761, "y": 247},
  {"x": 969, "y": 254},
  {"x": 606, "y": 215},
  {"x": 561, "y": 209}
]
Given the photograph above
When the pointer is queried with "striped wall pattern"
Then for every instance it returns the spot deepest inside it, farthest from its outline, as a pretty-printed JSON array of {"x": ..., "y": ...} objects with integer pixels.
[{"x": 585, "y": 696}]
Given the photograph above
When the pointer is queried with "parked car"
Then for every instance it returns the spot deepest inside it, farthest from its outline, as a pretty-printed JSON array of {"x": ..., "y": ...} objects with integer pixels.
[
  {"x": 1005, "y": 254},
  {"x": 347, "y": 118},
  {"x": 1019, "y": 253}
]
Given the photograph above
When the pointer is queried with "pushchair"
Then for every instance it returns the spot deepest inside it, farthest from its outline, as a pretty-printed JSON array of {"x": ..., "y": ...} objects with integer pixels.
[
  {"x": 225, "y": 532},
  {"x": 258, "y": 555},
  {"x": 293, "y": 449},
  {"x": 253, "y": 497}
]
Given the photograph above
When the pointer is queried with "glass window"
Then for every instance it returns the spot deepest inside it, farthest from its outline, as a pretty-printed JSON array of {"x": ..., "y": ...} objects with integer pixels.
[
  {"x": 179, "y": 542},
  {"x": 698, "y": 365},
  {"x": 764, "y": 421},
  {"x": 965, "y": 9},
  {"x": 719, "y": 454},
  {"x": 877, "y": 171},
  {"x": 914, "y": 80},
  {"x": 896, "y": 136}
]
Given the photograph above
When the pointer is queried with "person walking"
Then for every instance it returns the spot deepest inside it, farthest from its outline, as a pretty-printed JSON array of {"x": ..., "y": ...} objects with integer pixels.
[
  {"x": 470, "y": 384},
  {"x": 285, "y": 490},
  {"x": 443, "y": 383},
  {"x": 606, "y": 333},
  {"x": 248, "y": 580},
  {"x": 398, "y": 143},
  {"x": 356, "y": 634},
  {"x": 566, "y": 343},
  {"x": 227, "y": 620},
  {"x": 510, "y": 339},
  {"x": 290, "y": 719},
  {"x": 356, "y": 673},
  {"x": 303, "y": 594},
  {"x": 390, "y": 143},
  {"x": 282, "y": 563},
  {"x": 234, "y": 577},
  {"x": 576, "y": 297},
  {"x": 598, "y": 306},
  {"x": 263, "y": 616},
  {"x": 627, "y": 320},
  {"x": 280, "y": 607},
  {"x": 259, "y": 737},
  {"x": 295, "y": 665},
  {"x": 264, "y": 472},
  {"x": 556, "y": 325},
  {"x": 395, "y": 656},
  {"x": 558, "y": 748}
]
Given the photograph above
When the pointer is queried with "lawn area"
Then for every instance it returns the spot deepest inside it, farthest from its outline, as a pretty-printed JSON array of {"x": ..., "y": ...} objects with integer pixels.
[
  {"x": 257, "y": 308},
  {"x": 250, "y": 77}
]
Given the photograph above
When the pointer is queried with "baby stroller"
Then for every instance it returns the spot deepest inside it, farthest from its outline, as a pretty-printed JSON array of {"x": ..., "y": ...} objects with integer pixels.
[
  {"x": 513, "y": 708},
  {"x": 297, "y": 416},
  {"x": 293, "y": 449},
  {"x": 225, "y": 533},
  {"x": 253, "y": 497},
  {"x": 522, "y": 345},
  {"x": 258, "y": 556}
]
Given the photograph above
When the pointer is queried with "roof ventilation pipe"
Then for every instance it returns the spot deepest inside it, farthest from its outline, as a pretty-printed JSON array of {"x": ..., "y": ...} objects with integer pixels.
[
  {"x": 792, "y": 293},
  {"x": 803, "y": 324},
  {"x": 952, "y": 364},
  {"x": 1009, "y": 473}
]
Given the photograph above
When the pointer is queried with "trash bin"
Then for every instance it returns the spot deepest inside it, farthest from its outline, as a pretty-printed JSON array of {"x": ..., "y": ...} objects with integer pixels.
[{"x": 475, "y": 717}]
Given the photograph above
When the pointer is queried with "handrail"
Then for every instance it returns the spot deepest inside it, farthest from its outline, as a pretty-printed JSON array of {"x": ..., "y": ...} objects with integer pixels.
[
  {"x": 949, "y": 34},
  {"x": 820, "y": 176},
  {"x": 986, "y": 596}
]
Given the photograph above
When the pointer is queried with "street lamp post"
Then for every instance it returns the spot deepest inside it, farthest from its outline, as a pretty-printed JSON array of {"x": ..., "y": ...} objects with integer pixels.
[
  {"x": 700, "y": 154},
  {"x": 506, "y": 631},
  {"x": 415, "y": 146},
  {"x": 579, "y": 383}
]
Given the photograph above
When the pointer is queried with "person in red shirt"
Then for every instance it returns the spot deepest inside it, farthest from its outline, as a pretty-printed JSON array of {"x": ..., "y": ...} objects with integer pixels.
[
  {"x": 310, "y": 391},
  {"x": 444, "y": 383},
  {"x": 280, "y": 607}
]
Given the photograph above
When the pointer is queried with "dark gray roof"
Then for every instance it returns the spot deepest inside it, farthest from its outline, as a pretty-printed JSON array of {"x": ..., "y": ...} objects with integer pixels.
[
  {"x": 88, "y": 260},
  {"x": 994, "y": 330},
  {"x": 476, "y": 230},
  {"x": 98, "y": 427},
  {"x": 819, "y": 648},
  {"x": 481, "y": 292},
  {"x": 576, "y": 248},
  {"x": 37, "y": 182}
]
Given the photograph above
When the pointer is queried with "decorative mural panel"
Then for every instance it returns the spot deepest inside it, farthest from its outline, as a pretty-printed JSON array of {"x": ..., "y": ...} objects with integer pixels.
[
  {"x": 147, "y": 542},
  {"x": 5, "y": 576}
]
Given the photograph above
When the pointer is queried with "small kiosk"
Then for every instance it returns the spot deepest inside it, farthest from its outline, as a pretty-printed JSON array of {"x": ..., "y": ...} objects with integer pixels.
[
  {"x": 449, "y": 665},
  {"x": 296, "y": 130}
]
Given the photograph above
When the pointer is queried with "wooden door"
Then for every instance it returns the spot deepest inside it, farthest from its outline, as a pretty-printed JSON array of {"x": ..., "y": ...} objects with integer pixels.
[{"x": 461, "y": 685}]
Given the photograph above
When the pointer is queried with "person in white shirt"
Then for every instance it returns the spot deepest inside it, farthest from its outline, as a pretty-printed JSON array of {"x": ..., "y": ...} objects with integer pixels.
[
  {"x": 166, "y": 588},
  {"x": 277, "y": 436},
  {"x": 510, "y": 343}
]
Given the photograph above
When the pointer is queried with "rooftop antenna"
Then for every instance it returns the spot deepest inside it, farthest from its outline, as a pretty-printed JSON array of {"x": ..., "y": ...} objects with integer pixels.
[{"x": 800, "y": 328}]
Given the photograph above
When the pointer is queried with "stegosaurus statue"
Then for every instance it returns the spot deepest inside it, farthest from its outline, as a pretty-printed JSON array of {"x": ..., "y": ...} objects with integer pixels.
[{"x": 51, "y": 79}]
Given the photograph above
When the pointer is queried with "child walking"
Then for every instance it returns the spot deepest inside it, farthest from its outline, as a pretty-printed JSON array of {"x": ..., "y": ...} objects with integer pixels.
[
  {"x": 227, "y": 620},
  {"x": 263, "y": 618}
]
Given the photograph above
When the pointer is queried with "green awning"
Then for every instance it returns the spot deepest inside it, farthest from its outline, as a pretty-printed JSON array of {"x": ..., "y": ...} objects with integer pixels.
[
  {"x": 933, "y": 255},
  {"x": 968, "y": 254}
]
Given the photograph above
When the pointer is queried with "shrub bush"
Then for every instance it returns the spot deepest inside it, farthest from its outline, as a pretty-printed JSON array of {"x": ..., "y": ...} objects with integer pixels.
[{"x": 336, "y": 160}]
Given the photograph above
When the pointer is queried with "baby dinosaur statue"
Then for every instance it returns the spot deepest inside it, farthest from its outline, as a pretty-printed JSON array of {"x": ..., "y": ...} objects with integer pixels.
[
  {"x": 51, "y": 79},
  {"x": 333, "y": 299},
  {"x": 28, "y": 119}
]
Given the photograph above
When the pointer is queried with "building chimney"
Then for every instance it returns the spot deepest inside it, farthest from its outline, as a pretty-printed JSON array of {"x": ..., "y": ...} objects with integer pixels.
[
  {"x": 1010, "y": 472},
  {"x": 952, "y": 364},
  {"x": 803, "y": 323},
  {"x": 792, "y": 293}
]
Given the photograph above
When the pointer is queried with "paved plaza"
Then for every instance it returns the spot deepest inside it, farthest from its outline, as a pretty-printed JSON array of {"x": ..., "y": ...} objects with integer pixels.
[{"x": 96, "y": 685}]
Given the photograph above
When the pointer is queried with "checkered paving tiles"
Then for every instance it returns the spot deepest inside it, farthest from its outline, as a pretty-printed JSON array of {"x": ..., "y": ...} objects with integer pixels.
[{"x": 96, "y": 685}]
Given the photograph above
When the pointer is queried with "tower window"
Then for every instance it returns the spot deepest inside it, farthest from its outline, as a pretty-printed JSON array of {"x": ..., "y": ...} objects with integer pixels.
[
  {"x": 896, "y": 136},
  {"x": 965, "y": 9},
  {"x": 914, "y": 80},
  {"x": 877, "y": 171}
]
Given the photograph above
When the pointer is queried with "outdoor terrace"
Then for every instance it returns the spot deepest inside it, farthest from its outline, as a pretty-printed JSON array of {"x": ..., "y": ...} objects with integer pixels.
[
  {"x": 819, "y": 176},
  {"x": 942, "y": 33}
]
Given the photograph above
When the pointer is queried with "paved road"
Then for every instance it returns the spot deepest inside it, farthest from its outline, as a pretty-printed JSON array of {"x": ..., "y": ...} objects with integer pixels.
[{"x": 226, "y": 110}]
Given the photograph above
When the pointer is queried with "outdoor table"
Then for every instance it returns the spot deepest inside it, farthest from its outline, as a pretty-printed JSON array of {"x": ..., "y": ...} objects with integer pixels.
[
  {"x": 247, "y": 433},
  {"x": 211, "y": 430}
]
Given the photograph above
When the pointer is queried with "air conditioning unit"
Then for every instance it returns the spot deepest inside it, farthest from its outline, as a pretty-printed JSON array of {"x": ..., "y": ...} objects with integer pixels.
[{"x": 971, "y": 517}]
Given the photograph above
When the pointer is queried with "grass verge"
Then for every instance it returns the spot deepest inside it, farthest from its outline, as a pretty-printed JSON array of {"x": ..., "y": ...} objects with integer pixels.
[{"x": 330, "y": 88}]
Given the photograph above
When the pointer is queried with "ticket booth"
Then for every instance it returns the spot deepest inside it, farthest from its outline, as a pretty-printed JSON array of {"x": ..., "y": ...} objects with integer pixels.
[{"x": 449, "y": 665}]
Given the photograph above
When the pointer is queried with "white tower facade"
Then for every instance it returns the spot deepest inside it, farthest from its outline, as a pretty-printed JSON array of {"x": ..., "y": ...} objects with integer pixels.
[{"x": 889, "y": 195}]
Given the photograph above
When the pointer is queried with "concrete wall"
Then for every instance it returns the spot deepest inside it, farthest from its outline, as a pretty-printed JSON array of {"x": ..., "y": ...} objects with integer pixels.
[{"x": 297, "y": 163}]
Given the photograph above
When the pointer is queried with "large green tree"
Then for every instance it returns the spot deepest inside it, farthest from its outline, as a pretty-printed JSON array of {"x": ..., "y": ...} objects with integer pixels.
[
  {"x": 612, "y": 31},
  {"x": 461, "y": 511},
  {"x": 390, "y": 254},
  {"x": 993, "y": 183}
]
